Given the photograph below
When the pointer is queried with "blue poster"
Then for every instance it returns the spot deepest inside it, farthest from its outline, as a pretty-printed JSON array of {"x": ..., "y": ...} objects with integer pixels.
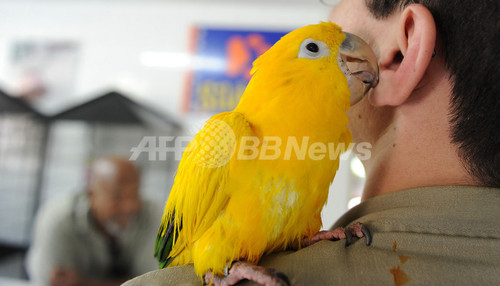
[{"x": 222, "y": 63}]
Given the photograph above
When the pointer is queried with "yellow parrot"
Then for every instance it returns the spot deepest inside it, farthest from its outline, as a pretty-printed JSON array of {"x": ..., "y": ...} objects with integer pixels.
[{"x": 254, "y": 180}]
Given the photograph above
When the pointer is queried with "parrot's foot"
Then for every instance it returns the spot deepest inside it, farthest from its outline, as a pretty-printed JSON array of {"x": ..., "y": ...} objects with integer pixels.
[
  {"x": 351, "y": 234},
  {"x": 241, "y": 270}
]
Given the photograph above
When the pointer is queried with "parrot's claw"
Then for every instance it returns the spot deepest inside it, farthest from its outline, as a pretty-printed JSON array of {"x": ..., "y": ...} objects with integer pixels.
[
  {"x": 351, "y": 234},
  {"x": 241, "y": 270},
  {"x": 356, "y": 231}
]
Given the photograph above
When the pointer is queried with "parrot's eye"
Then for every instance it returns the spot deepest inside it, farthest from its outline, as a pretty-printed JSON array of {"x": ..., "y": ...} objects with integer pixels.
[{"x": 313, "y": 49}]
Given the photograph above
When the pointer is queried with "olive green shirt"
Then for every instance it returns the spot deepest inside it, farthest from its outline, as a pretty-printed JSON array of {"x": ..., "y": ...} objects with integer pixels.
[
  {"x": 426, "y": 236},
  {"x": 66, "y": 236}
]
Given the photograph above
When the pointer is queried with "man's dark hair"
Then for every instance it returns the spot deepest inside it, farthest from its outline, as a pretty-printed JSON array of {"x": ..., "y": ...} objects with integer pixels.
[{"x": 470, "y": 33}]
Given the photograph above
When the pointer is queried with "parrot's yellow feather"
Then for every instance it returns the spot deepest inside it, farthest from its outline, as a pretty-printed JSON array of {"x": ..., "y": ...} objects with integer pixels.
[{"x": 224, "y": 206}]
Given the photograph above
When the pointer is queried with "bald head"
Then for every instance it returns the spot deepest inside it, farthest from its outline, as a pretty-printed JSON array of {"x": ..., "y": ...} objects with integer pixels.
[
  {"x": 114, "y": 192},
  {"x": 109, "y": 169}
]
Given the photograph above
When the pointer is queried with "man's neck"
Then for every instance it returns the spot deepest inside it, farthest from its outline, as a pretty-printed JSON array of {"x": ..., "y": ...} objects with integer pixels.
[
  {"x": 415, "y": 151},
  {"x": 400, "y": 172}
]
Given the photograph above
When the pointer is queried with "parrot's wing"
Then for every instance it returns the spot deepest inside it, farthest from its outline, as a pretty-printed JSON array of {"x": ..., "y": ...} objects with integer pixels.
[{"x": 198, "y": 195}]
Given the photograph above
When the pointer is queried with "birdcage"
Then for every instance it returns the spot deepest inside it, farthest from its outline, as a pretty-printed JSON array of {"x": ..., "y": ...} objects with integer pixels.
[
  {"x": 23, "y": 139},
  {"x": 110, "y": 124}
]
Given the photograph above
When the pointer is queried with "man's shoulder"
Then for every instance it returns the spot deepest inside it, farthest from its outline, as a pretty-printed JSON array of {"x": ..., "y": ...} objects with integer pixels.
[
  {"x": 418, "y": 257},
  {"x": 416, "y": 235},
  {"x": 181, "y": 275},
  {"x": 59, "y": 212},
  {"x": 323, "y": 263}
]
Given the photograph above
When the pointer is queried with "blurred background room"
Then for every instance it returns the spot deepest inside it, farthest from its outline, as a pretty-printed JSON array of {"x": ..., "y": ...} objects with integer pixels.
[{"x": 83, "y": 79}]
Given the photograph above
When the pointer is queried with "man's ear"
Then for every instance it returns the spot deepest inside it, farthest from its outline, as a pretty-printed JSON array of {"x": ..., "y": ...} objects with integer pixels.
[{"x": 405, "y": 59}]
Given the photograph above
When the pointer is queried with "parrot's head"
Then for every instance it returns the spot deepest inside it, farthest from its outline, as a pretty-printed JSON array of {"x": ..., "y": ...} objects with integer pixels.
[{"x": 315, "y": 56}]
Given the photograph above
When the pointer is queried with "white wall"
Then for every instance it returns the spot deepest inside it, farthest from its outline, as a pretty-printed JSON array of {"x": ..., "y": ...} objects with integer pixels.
[{"x": 113, "y": 34}]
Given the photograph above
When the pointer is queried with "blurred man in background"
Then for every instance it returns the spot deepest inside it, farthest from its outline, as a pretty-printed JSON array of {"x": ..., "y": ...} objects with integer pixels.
[{"x": 99, "y": 237}]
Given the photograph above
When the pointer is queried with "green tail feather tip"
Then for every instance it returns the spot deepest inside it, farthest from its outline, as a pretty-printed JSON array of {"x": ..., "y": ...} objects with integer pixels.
[{"x": 165, "y": 241}]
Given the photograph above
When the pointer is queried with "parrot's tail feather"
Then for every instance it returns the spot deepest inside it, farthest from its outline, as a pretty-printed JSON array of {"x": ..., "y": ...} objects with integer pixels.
[{"x": 167, "y": 236}]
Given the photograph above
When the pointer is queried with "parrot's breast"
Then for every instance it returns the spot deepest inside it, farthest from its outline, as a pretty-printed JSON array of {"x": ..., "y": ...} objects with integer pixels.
[{"x": 277, "y": 208}]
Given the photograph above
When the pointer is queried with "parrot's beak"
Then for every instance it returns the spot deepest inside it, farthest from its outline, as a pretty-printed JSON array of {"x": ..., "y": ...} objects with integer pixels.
[{"x": 359, "y": 64}]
